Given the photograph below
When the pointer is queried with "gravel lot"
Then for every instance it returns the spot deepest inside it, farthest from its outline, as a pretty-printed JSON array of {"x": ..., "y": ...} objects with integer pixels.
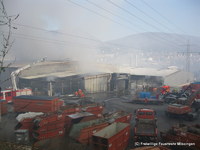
[
  {"x": 113, "y": 104},
  {"x": 163, "y": 122}
]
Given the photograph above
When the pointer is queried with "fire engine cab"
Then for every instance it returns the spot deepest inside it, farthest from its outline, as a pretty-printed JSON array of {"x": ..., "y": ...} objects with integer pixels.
[{"x": 9, "y": 94}]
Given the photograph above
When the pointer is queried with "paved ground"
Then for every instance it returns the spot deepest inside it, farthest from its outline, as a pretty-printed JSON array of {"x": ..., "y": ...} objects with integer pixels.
[
  {"x": 113, "y": 104},
  {"x": 163, "y": 122}
]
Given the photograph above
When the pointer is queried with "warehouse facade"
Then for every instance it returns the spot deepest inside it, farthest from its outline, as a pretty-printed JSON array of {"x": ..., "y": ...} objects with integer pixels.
[{"x": 64, "y": 78}]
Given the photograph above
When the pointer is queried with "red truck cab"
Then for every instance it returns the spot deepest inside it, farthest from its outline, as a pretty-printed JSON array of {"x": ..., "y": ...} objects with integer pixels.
[
  {"x": 6, "y": 95},
  {"x": 145, "y": 114},
  {"x": 145, "y": 129},
  {"x": 9, "y": 94}
]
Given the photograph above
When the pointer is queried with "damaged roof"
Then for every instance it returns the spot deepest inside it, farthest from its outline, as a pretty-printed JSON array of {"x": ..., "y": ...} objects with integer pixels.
[{"x": 65, "y": 69}]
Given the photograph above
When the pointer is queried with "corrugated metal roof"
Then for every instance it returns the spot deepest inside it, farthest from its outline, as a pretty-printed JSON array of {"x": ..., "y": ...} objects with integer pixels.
[
  {"x": 30, "y": 97},
  {"x": 149, "y": 71},
  {"x": 48, "y": 69},
  {"x": 132, "y": 71},
  {"x": 55, "y": 74}
]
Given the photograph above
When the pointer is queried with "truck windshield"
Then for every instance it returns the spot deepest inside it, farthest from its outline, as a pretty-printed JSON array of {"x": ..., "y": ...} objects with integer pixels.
[
  {"x": 141, "y": 113},
  {"x": 149, "y": 113}
]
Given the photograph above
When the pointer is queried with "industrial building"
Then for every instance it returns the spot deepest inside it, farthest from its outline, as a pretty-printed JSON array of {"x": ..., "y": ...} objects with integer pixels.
[
  {"x": 60, "y": 78},
  {"x": 63, "y": 116}
]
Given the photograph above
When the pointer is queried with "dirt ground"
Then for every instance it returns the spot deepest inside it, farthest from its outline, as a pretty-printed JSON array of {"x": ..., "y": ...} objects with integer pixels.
[{"x": 112, "y": 104}]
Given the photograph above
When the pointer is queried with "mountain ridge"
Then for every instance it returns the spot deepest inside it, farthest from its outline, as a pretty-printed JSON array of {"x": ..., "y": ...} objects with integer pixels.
[{"x": 157, "y": 41}]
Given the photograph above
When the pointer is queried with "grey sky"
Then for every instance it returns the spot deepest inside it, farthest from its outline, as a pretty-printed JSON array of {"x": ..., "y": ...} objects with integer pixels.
[
  {"x": 62, "y": 15},
  {"x": 56, "y": 25}
]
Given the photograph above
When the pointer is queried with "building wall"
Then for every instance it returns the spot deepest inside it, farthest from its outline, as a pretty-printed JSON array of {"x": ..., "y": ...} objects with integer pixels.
[
  {"x": 142, "y": 83},
  {"x": 68, "y": 85},
  {"x": 97, "y": 83},
  {"x": 103, "y": 83},
  {"x": 178, "y": 78},
  {"x": 61, "y": 86}
]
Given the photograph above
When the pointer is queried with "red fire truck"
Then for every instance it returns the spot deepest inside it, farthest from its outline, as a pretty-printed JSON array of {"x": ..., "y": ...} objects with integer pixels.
[{"x": 8, "y": 94}]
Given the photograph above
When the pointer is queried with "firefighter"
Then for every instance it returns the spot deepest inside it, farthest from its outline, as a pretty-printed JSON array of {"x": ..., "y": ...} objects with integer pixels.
[
  {"x": 80, "y": 92},
  {"x": 165, "y": 89},
  {"x": 76, "y": 93},
  {"x": 82, "y": 95},
  {"x": 146, "y": 100}
]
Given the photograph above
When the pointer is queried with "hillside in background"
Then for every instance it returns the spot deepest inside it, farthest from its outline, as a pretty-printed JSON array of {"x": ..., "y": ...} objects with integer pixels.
[
  {"x": 154, "y": 42},
  {"x": 156, "y": 50}
]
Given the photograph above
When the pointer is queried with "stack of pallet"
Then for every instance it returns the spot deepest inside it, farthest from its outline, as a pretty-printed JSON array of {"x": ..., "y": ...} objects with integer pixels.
[
  {"x": 26, "y": 103},
  {"x": 3, "y": 107}
]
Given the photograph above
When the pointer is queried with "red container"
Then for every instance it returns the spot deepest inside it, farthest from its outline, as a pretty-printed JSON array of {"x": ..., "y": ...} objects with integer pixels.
[
  {"x": 49, "y": 134},
  {"x": 50, "y": 126},
  {"x": 82, "y": 132},
  {"x": 26, "y": 124},
  {"x": 48, "y": 119},
  {"x": 112, "y": 137},
  {"x": 3, "y": 107},
  {"x": 96, "y": 110},
  {"x": 86, "y": 134},
  {"x": 88, "y": 118},
  {"x": 119, "y": 116},
  {"x": 78, "y": 118},
  {"x": 183, "y": 134},
  {"x": 124, "y": 118},
  {"x": 60, "y": 103},
  {"x": 44, "y": 104},
  {"x": 67, "y": 110}
]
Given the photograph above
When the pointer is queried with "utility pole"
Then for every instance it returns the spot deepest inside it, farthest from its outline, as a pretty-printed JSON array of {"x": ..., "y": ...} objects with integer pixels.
[
  {"x": 188, "y": 57},
  {"x": 188, "y": 53},
  {"x": 136, "y": 60}
]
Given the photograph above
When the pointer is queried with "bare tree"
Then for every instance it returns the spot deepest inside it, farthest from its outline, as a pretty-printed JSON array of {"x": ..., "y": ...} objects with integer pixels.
[{"x": 6, "y": 43}]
